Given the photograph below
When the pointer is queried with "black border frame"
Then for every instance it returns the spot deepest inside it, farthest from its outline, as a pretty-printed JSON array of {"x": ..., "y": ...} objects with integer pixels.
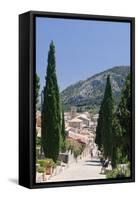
[{"x": 27, "y": 97}]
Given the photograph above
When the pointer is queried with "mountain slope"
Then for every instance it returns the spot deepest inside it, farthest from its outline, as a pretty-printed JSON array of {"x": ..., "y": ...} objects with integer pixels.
[{"x": 89, "y": 93}]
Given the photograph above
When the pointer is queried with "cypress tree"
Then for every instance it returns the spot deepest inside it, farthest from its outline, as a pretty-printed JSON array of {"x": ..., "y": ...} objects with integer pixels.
[
  {"x": 122, "y": 126},
  {"x": 104, "y": 133},
  {"x": 108, "y": 112},
  {"x": 117, "y": 156},
  {"x": 63, "y": 134},
  {"x": 37, "y": 87},
  {"x": 124, "y": 118},
  {"x": 99, "y": 128},
  {"x": 51, "y": 122}
]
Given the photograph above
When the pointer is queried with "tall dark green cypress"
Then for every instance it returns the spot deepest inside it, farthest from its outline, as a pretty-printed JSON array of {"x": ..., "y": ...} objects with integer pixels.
[
  {"x": 37, "y": 87},
  {"x": 63, "y": 134},
  {"x": 108, "y": 112},
  {"x": 124, "y": 117},
  {"x": 122, "y": 126},
  {"x": 51, "y": 120},
  {"x": 104, "y": 134},
  {"x": 117, "y": 143},
  {"x": 99, "y": 128}
]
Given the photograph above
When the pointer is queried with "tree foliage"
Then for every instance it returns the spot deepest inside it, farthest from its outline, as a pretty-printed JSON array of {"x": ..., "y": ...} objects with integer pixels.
[
  {"x": 99, "y": 132},
  {"x": 51, "y": 120},
  {"x": 124, "y": 117},
  {"x": 37, "y": 88},
  {"x": 114, "y": 128},
  {"x": 122, "y": 126},
  {"x": 104, "y": 133},
  {"x": 63, "y": 134},
  {"x": 108, "y": 111}
]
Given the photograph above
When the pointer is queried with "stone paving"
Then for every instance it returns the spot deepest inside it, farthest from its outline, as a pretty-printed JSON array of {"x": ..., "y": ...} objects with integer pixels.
[{"x": 82, "y": 170}]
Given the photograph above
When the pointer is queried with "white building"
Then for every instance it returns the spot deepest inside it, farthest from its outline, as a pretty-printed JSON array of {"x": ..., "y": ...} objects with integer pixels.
[
  {"x": 76, "y": 123},
  {"x": 85, "y": 119}
]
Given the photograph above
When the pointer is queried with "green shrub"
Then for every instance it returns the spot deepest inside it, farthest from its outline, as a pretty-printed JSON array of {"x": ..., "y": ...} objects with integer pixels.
[
  {"x": 112, "y": 174},
  {"x": 41, "y": 169},
  {"x": 119, "y": 172},
  {"x": 41, "y": 162},
  {"x": 75, "y": 147},
  {"x": 49, "y": 163},
  {"x": 46, "y": 163},
  {"x": 76, "y": 152},
  {"x": 70, "y": 145},
  {"x": 63, "y": 146}
]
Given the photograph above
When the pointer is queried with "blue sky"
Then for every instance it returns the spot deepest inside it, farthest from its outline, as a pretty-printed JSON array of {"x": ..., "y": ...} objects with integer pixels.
[{"x": 83, "y": 48}]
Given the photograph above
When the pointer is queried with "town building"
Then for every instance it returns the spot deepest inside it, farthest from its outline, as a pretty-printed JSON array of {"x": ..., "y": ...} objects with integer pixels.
[{"x": 76, "y": 123}]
